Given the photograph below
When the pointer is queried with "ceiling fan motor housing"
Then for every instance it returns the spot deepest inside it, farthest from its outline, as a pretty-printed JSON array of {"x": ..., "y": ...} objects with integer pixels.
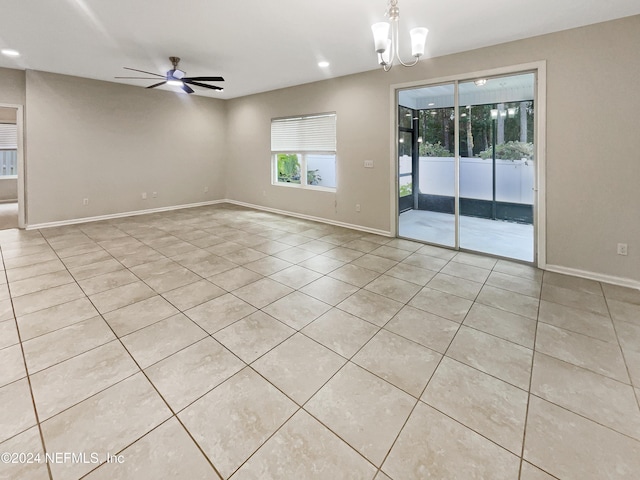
[{"x": 175, "y": 74}]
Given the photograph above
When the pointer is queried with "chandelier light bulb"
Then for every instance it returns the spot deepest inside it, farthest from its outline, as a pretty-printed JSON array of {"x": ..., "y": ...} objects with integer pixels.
[
  {"x": 418, "y": 39},
  {"x": 380, "y": 36}
]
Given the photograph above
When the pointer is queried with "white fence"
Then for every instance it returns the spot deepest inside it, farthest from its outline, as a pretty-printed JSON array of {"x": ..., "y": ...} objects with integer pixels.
[{"x": 514, "y": 178}]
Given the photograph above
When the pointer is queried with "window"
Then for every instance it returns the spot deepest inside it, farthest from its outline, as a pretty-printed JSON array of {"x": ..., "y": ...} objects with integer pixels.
[
  {"x": 303, "y": 151},
  {"x": 8, "y": 149}
]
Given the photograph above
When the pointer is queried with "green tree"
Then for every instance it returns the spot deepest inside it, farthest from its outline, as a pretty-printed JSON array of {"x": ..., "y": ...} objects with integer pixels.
[{"x": 288, "y": 168}]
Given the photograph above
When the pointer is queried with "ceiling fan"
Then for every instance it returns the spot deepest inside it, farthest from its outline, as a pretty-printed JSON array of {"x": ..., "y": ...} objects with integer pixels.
[{"x": 177, "y": 77}]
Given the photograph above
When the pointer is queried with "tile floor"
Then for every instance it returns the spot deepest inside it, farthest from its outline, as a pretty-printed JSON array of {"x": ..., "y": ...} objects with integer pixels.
[{"x": 222, "y": 342}]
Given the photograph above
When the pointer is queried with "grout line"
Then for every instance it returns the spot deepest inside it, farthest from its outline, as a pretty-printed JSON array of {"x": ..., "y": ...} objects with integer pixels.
[
  {"x": 533, "y": 356},
  {"x": 26, "y": 369},
  {"x": 173, "y": 414},
  {"x": 624, "y": 358}
]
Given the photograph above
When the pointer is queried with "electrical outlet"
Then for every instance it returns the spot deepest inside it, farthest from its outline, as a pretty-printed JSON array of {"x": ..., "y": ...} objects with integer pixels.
[
  {"x": 368, "y": 164},
  {"x": 85, "y": 201},
  {"x": 144, "y": 195},
  {"x": 154, "y": 194},
  {"x": 622, "y": 249},
  {"x": 357, "y": 207}
]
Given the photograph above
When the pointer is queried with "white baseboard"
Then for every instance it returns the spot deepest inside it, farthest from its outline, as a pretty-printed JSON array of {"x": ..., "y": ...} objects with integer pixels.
[
  {"x": 351, "y": 226},
  {"x": 111, "y": 216},
  {"x": 598, "y": 277}
]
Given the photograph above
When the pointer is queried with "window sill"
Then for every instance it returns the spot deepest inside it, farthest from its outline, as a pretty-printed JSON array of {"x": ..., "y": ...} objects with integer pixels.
[{"x": 305, "y": 187}]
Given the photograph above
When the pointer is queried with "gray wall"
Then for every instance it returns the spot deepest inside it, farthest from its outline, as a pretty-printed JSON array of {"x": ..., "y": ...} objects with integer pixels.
[
  {"x": 8, "y": 190},
  {"x": 592, "y": 79},
  {"x": 110, "y": 142},
  {"x": 12, "y": 86}
]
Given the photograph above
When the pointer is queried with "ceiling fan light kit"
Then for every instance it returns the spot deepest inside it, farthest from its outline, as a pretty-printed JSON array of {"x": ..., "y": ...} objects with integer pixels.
[
  {"x": 387, "y": 42},
  {"x": 176, "y": 77}
]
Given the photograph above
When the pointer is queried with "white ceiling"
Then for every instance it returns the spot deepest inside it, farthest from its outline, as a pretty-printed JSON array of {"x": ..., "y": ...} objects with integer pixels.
[{"x": 260, "y": 45}]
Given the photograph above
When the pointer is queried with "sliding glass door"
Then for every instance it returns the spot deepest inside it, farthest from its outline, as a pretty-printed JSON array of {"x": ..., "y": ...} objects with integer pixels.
[
  {"x": 474, "y": 175},
  {"x": 431, "y": 218}
]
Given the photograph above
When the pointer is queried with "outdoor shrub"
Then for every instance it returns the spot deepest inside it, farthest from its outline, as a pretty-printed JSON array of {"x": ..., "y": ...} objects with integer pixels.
[
  {"x": 510, "y": 151},
  {"x": 434, "y": 150}
]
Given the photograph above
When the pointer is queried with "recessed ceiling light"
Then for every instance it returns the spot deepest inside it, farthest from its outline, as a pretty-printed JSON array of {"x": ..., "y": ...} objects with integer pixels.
[
  {"x": 10, "y": 52},
  {"x": 323, "y": 64},
  {"x": 431, "y": 104}
]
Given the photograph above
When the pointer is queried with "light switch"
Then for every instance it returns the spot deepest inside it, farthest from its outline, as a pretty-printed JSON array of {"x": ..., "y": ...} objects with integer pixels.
[{"x": 368, "y": 164}]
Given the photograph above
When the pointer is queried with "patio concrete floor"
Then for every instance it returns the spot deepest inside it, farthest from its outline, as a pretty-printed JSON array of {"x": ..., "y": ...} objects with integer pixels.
[{"x": 495, "y": 237}]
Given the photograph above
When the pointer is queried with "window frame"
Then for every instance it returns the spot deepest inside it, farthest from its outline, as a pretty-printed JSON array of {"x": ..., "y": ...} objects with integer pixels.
[{"x": 302, "y": 154}]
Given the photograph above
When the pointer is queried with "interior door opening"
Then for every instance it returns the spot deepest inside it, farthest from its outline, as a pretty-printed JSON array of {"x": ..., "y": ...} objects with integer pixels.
[
  {"x": 473, "y": 167},
  {"x": 8, "y": 167}
]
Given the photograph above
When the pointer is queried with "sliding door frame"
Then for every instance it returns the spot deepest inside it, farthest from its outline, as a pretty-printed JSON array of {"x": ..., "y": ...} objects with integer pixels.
[{"x": 540, "y": 98}]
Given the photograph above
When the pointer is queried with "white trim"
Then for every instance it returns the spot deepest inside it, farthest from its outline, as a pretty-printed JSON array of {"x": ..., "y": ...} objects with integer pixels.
[
  {"x": 540, "y": 204},
  {"x": 351, "y": 226},
  {"x": 507, "y": 70},
  {"x": 111, "y": 216},
  {"x": 21, "y": 167},
  {"x": 598, "y": 277},
  {"x": 393, "y": 164},
  {"x": 22, "y": 183},
  {"x": 76, "y": 221},
  {"x": 456, "y": 165}
]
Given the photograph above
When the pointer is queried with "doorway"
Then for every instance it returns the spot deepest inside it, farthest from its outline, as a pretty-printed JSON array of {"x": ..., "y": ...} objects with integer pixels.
[
  {"x": 473, "y": 165},
  {"x": 11, "y": 168}
]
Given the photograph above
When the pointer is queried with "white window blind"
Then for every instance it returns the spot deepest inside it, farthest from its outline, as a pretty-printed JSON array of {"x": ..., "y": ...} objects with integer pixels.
[
  {"x": 8, "y": 136},
  {"x": 313, "y": 133}
]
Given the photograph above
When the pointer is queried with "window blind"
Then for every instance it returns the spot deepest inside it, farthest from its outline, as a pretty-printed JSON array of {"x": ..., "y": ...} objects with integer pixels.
[
  {"x": 313, "y": 133},
  {"x": 8, "y": 136}
]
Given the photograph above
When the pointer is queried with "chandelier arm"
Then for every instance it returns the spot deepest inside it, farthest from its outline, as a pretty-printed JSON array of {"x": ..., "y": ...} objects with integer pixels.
[
  {"x": 409, "y": 64},
  {"x": 396, "y": 41},
  {"x": 393, "y": 51}
]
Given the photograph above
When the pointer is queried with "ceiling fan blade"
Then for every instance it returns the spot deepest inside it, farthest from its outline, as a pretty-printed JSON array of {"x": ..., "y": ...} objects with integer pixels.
[
  {"x": 198, "y": 84},
  {"x": 187, "y": 88},
  {"x": 142, "y": 71},
  {"x": 157, "y": 84},
  {"x": 138, "y": 78},
  {"x": 205, "y": 79}
]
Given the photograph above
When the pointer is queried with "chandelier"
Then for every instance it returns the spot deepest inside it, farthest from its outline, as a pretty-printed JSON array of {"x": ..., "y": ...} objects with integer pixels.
[{"x": 388, "y": 46}]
